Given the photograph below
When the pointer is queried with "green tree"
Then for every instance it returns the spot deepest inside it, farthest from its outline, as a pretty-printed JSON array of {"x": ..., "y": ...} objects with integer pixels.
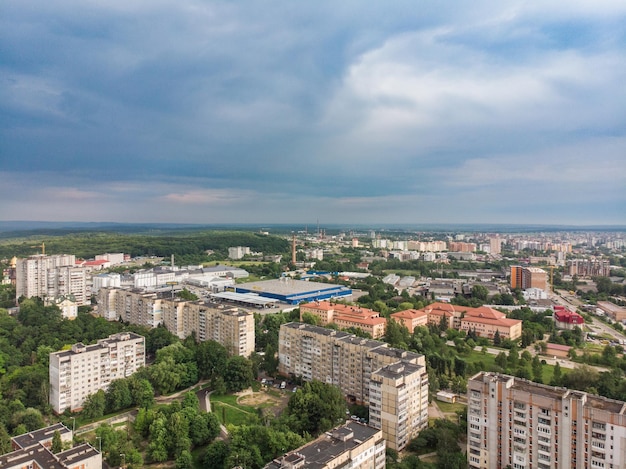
[
  {"x": 94, "y": 405},
  {"x": 309, "y": 318},
  {"x": 5, "y": 440},
  {"x": 238, "y": 374},
  {"x": 118, "y": 395},
  {"x": 216, "y": 455},
  {"x": 142, "y": 392},
  {"x": 211, "y": 358},
  {"x": 480, "y": 292},
  {"x": 57, "y": 445},
  {"x": 184, "y": 461},
  {"x": 317, "y": 407},
  {"x": 537, "y": 369},
  {"x": 203, "y": 428},
  {"x": 557, "y": 377},
  {"x": 497, "y": 340}
]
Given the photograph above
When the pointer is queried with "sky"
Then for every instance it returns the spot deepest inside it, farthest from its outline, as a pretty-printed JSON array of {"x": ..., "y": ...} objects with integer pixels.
[{"x": 292, "y": 112}]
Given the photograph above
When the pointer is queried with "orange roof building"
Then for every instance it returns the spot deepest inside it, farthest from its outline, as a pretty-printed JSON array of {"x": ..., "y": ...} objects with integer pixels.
[
  {"x": 484, "y": 321},
  {"x": 346, "y": 316},
  {"x": 411, "y": 318}
]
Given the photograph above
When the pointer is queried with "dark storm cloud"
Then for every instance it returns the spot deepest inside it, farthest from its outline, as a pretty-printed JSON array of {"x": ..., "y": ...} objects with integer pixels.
[{"x": 152, "y": 110}]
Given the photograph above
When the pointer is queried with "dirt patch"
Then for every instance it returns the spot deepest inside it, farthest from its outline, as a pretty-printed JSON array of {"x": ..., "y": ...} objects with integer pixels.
[{"x": 275, "y": 404}]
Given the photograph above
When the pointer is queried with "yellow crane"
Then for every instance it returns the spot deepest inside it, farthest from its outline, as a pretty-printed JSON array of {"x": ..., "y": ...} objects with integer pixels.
[{"x": 42, "y": 246}]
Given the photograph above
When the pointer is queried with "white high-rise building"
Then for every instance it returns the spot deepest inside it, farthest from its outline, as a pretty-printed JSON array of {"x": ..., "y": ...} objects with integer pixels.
[
  {"x": 85, "y": 369},
  {"x": 49, "y": 277}
]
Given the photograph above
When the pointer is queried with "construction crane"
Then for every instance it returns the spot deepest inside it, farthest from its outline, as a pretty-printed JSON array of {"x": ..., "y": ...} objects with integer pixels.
[{"x": 42, "y": 246}]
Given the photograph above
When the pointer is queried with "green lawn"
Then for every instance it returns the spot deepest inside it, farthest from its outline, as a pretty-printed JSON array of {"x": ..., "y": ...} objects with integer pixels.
[
  {"x": 232, "y": 415},
  {"x": 447, "y": 407}
]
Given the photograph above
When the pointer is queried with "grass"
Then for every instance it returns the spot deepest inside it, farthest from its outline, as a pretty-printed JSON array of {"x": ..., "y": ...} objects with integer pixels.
[
  {"x": 228, "y": 411},
  {"x": 450, "y": 408},
  {"x": 232, "y": 415}
]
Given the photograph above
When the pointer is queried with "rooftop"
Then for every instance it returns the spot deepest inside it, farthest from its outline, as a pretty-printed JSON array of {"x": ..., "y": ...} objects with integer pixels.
[
  {"x": 27, "y": 440},
  {"x": 288, "y": 286},
  {"x": 329, "y": 446}
]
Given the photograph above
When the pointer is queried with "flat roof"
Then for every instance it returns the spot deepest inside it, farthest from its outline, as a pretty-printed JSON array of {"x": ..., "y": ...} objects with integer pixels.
[
  {"x": 603, "y": 403},
  {"x": 247, "y": 298},
  {"x": 328, "y": 446},
  {"x": 23, "y": 457},
  {"x": 26, "y": 440},
  {"x": 288, "y": 286}
]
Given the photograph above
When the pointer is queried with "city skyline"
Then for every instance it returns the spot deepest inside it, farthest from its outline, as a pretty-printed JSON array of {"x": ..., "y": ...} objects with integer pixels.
[{"x": 374, "y": 113}]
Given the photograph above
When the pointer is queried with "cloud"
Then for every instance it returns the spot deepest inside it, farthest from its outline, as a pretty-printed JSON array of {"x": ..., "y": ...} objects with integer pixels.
[{"x": 282, "y": 111}]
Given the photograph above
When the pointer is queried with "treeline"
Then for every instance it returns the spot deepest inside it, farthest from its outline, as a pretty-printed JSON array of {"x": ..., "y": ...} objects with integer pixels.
[{"x": 186, "y": 245}]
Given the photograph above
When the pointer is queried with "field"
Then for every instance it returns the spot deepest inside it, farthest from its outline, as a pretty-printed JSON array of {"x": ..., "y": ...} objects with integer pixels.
[{"x": 247, "y": 408}]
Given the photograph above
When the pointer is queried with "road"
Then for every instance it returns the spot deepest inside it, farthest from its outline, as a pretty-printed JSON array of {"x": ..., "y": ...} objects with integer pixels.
[{"x": 564, "y": 298}]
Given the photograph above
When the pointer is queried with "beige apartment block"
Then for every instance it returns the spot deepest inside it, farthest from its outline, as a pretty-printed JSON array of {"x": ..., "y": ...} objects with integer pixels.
[
  {"x": 231, "y": 327},
  {"x": 399, "y": 402},
  {"x": 352, "y": 445},
  {"x": 516, "y": 423},
  {"x": 352, "y": 363},
  {"x": 85, "y": 369}
]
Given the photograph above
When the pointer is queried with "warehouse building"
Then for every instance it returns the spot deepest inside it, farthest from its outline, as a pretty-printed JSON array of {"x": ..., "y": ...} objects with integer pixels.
[{"x": 293, "y": 292}]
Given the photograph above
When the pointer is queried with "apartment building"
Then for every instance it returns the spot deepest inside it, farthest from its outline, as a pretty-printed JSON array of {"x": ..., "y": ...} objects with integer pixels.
[
  {"x": 51, "y": 276},
  {"x": 398, "y": 402},
  {"x": 528, "y": 277},
  {"x": 85, "y": 369},
  {"x": 591, "y": 267},
  {"x": 351, "y": 445},
  {"x": 360, "y": 368},
  {"x": 516, "y": 423},
  {"x": 231, "y": 327},
  {"x": 346, "y": 316},
  {"x": 458, "y": 246},
  {"x": 32, "y": 450}
]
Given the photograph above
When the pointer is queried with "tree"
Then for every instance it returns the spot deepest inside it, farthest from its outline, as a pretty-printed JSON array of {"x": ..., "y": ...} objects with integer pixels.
[
  {"x": 497, "y": 340},
  {"x": 480, "y": 292},
  {"x": 537, "y": 369},
  {"x": 141, "y": 391},
  {"x": 5, "y": 440},
  {"x": 211, "y": 358},
  {"x": 94, "y": 405},
  {"x": 309, "y": 318},
  {"x": 118, "y": 395},
  {"x": 557, "y": 377},
  {"x": 57, "y": 445},
  {"x": 203, "y": 428},
  {"x": 238, "y": 374},
  {"x": 502, "y": 360},
  {"x": 216, "y": 455},
  {"x": 184, "y": 461},
  {"x": 317, "y": 407}
]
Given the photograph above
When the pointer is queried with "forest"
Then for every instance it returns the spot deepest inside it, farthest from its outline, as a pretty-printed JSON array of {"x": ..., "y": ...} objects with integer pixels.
[{"x": 188, "y": 247}]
